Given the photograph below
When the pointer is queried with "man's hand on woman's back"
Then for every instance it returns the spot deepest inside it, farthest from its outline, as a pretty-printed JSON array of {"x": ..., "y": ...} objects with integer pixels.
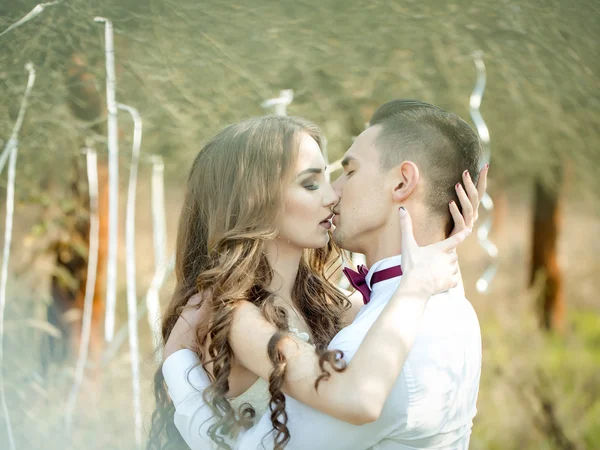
[{"x": 183, "y": 334}]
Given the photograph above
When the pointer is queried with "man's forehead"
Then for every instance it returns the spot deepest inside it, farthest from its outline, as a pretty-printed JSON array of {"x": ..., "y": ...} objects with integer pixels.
[{"x": 364, "y": 144}]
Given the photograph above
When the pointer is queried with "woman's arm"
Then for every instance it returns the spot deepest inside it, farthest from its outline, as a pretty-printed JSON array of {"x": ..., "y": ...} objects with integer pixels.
[
  {"x": 357, "y": 394},
  {"x": 193, "y": 417}
]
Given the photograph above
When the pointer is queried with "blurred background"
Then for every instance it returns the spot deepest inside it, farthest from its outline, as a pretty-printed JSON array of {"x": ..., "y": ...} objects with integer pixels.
[{"x": 191, "y": 68}]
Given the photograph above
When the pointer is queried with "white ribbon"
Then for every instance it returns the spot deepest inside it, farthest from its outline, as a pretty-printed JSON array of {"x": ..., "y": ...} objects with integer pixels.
[
  {"x": 159, "y": 221},
  {"x": 130, "y": 259},
  {"x": 486, "y": 202},
  {"x": 142, "y": 309},
  {"x": 280, "y": 104},
  {"x": 153, "y": 305},
  {"x": 113, "y": 181},
  {"x": 160, "y": 264},
  {"x": 11, "y": 150},
  {"x": 33, "y": 13},
  {"x": 90, "y": 285}
]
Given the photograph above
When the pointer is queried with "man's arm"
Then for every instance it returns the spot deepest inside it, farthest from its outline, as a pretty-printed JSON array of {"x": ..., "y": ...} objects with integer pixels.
[{"x": 186, "y": 381}]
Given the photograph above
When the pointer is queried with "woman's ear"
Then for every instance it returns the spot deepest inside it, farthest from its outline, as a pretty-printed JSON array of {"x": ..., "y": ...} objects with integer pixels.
[{"x": 405, "y": 178}]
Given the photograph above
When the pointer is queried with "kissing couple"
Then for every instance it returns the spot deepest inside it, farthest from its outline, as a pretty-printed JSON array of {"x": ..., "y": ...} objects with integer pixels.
[{"x": 262, "y": 350}]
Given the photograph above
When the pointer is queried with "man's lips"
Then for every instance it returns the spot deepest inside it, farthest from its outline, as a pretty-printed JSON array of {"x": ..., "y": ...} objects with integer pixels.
[{"x": 328, "y": 218}]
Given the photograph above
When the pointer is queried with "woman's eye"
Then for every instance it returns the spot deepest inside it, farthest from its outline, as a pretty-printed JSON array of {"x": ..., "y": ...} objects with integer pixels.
[
  {"x": 312, "y": 187},
  {"x": 349, "y": 173}
]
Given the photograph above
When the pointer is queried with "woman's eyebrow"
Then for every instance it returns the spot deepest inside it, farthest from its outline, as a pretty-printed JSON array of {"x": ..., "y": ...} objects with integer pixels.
[{"x": 310, "y": 170}]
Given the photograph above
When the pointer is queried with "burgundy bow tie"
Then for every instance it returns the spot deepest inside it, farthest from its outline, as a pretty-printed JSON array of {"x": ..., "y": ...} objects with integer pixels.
[{"x": 359, "y": 279}]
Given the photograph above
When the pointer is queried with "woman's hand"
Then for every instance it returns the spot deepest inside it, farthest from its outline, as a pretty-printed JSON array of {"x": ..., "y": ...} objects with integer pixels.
[
  {"x": 431, "y": 269},
  {"x": 469, "y": 197}
]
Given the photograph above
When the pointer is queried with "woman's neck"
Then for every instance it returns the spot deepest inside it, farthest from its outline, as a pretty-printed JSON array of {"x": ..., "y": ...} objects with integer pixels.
[{"x": 284, "y": 260}]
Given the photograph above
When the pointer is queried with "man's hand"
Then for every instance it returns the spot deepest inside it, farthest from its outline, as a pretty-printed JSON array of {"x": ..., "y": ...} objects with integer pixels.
[
  {"x": 183, "y": 334},
  {"x": 469, "y": 197}
]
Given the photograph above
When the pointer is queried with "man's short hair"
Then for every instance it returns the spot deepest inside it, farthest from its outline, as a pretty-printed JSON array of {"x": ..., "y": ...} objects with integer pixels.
[{"x": 441, "y": 144}]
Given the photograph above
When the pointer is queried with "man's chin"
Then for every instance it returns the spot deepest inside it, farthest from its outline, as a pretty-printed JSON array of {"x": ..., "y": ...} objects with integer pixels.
[{"x": 338, "y": 237}]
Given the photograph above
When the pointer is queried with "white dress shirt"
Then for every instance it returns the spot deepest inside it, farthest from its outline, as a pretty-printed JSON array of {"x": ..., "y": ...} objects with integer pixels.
[{"x": 431, "y": 406}]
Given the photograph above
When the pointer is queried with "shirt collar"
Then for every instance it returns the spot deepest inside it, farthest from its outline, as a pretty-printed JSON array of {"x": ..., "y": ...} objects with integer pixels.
[{"x": 382, "y": 264}]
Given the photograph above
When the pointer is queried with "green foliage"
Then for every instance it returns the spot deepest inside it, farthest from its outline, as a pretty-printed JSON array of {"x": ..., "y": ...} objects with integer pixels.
[{"x": 538, "y": 388}]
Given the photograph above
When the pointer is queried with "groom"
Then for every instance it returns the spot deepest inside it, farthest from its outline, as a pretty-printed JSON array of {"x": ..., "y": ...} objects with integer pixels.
[{"x": 413, "y": 154}]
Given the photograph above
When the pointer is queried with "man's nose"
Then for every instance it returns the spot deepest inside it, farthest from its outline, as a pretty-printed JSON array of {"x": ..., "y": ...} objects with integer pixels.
[
  {"x": 332, "y": 198},
  {"x": 337, "y": 186}
]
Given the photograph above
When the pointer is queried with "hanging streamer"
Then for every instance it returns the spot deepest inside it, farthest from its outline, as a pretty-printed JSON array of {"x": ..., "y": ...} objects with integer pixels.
[
  {"x": 335, "y": 166},
  {"x": 113, "y": 181},
  {"x": 280, "y": 103},
  {"x": 160, "y": 263},
  {"x": 33, "y": 13},
  {"x": 90, "y": 284},
  {"x": 483, "y": 231},
  {"x": 5, "y": 154},
  {"x": 130, "y": 270},
  {"x": 153, "y": 305},
  {"x": 11, "y": 150},
  {"x": 142, "y": 309},
  {"x": 159, "y": 221}
]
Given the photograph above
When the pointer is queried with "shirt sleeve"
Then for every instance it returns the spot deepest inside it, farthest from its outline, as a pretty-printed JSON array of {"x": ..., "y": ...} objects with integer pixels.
[
  {"x": 308, "y": 427},
  {"x": 186, "y": 381}
]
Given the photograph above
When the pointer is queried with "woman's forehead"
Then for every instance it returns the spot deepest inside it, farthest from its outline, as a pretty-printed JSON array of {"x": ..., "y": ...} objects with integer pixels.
[{"x": 309, "y": 154}]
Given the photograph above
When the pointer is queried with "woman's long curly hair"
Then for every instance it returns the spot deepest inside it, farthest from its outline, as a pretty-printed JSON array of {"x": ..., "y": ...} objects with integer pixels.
[{"x": 234, "y": 197}]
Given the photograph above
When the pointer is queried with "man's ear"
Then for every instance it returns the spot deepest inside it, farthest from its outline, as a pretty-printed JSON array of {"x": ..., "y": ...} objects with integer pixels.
[{"x": 405, "y": 177}]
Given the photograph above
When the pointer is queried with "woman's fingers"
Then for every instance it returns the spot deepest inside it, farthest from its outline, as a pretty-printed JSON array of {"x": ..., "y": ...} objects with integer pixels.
[
  {"x": 453, "y": 256},
  {"x": 472, "y": 194},
  {"x": 454, "y": 282},
  {"x": 452, "y": 242},
  {"x": 459, "y": 220},
  {"x": 408, "y": 238},
  {"x": 465, "y": 204},
  {"x": 455, "y": 269}
]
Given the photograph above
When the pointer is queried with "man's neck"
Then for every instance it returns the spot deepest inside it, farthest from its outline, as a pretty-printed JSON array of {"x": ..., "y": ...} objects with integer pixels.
[
  {"x": 387, "y": 241},
  {"x": 284, "y": 260}
]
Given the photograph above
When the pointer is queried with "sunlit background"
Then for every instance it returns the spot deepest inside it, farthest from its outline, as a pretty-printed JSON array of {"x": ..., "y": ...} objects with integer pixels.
[{"x": 191, "y": 67}]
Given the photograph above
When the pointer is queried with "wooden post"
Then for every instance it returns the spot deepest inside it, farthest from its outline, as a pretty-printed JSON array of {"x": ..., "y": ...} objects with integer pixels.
[{"x": 544, "y": 258}]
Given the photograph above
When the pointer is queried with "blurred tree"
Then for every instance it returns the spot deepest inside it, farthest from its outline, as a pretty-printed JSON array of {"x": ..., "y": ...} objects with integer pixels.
[
  {"x": 71, "y": 249},
  {"x": 191, "y": 68},
  {"x": 544, "y": 263}
]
